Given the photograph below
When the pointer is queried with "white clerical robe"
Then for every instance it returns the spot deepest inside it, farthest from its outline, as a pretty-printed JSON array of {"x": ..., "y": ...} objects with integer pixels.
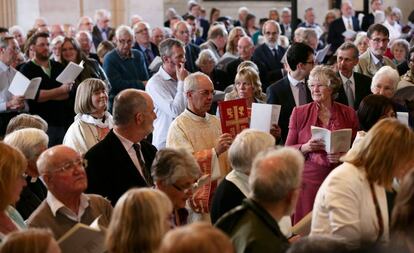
[{"x": 199, "y": 135}]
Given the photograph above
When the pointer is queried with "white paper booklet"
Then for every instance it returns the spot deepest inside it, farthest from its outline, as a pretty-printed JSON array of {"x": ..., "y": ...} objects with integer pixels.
[
  {"x": 320, "y": 55},
  {"x": 82, "y": 238},
  {"x": 70, "y": 73},
  {"x": 403, "y": 117},
  {"x": 22, "y": 86},
  {"x": 264, "y": 116},
  {"x": 335, "y": 141}
]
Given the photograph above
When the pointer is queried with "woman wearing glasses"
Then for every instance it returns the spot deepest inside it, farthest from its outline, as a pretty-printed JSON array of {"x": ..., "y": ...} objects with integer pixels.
[
  {"x": 12, "y": 180},
  {"x": 325, "y": 113}
]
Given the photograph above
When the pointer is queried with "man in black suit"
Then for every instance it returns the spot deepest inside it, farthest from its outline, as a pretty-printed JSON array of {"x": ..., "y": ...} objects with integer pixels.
[
  {"x": 355, "y": 86},
  {"x": 143, "y": 43},
  {"x": 286, "y": 23},
  {"x": 123, "y": 159},
  {"x": 194, "y": 9},
  {"x": 182, "y": 31},
  {"x": 269, "y": 54},
  {"x": 102, "y": 31},
  {"x": 292, "y": 90},
  {"x": 369, "y": 19},
  {"x": 346, "y": 22}
]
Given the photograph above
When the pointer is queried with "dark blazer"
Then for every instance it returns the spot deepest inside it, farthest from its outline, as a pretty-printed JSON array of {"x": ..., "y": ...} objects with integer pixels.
[
  {"x": 111, "y": 171},
  {"x": 403, "y": 68},
  {"x": 97, "y": 36},
  {"x": 206, "y": 26},
  {"x": 336, "y": 28},
  {"x": 272, "y": 64},
  {"x": 226, "y": 197},
  {"x": 191, "y": 54},
  {"x": 154, "y": 50},
  {"x": 280, "y": 93},
  {"x": 362, "y": 89},
  {"x": 232, "y": 71},
  {"x": 367, "y": 21}
]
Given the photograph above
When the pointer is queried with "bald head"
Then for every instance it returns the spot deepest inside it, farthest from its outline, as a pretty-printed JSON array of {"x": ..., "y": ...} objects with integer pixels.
[
  {"x": 245, "y": 48},
  {"x": 51, "y": 158},
  {"x": 127, "y": 103}
]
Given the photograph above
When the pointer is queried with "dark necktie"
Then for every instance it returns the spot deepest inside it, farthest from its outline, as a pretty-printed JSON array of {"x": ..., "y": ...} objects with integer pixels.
[
  {"x": 145, "y": 172},
  {"x": 148, "y": 56},
  {"x": 302, "y": 93}
]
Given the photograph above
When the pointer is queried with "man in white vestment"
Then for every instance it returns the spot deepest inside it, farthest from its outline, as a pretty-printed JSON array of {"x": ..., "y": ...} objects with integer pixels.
[{"x": 200, "y": 133}]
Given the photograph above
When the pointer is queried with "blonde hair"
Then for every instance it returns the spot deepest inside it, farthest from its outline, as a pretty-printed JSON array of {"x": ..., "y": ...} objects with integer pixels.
[
  {"x": 83, "y": 100},
  {"x": 387, "y": 146},
  {"x": 231, "y": 47},
  {"x": 138, "y": 221},
  {"x": 252, "y": 76},
  {"x": 197, "y": 237},
  {"x": 326, "y": 76},
  {"x": 12, "y": 166},
  {"x": 34, "y": 240}
]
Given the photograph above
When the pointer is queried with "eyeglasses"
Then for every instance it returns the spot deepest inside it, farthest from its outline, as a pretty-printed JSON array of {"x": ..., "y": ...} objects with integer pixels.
[
  {"x": 184, "y": 190},
  {"x": 271, "y": 33},
  {"x": 123, "y": 42},
  {"x": 313, "y": 86},
  {"x": 141, "y": 31},
  {"x": 205, "y": 93},
  {"x": 378, "y": 40},
  {"x": 71, "y": 165}
]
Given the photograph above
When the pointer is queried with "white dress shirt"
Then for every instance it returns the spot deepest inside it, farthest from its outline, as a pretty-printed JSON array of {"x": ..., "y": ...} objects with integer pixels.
[
  {"x": 295, "y": 89},
  {"x": 345, "y": 79},
  {"x": 55, "y": 206}
]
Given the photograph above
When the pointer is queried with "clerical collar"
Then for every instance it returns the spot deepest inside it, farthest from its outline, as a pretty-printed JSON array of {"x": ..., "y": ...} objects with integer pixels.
[{"x": 196, "y": 113}]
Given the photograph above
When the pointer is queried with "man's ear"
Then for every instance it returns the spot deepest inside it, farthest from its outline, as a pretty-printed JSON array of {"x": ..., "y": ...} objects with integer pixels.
[{"x": 139, "y": 118}]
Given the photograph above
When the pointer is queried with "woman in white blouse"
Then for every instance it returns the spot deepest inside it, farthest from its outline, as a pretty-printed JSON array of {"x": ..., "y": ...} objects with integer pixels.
[
  {"x": 351, "y": 203},
  {"x": 92, "y": 121}
]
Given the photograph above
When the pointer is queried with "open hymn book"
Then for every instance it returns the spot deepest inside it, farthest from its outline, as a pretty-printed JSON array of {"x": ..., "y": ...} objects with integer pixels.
[
  {"x": 338, "y": 141},
  {"x": 22, "y": 86},
  {"x": 82, "y": 238},
  {"x": 70, "y": 73}
]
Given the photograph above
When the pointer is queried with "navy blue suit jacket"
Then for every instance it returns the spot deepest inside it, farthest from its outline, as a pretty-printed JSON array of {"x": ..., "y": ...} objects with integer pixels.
[
  {"x": 337, "y": 27},
  {"x": 272, "y": 64},
  {"x": 280, "y": 93},
  {"x": 362, "y": 89}
]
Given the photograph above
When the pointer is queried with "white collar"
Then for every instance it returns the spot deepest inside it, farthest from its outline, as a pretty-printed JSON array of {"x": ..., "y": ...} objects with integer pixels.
[
  {"x": 56, "y": 205},
  {"x": 164, "y": 74},
  {"x": 125, "y": 142},
  {"x": 241, "y": 180},
  {"x": 97, "y": 122},
  {"x": 344, "y": 79},
  {"x": 293, "y": 81},
  {"x": 374, "y": 58},
  {"x": 196, "y": 117},
  {"x": 3, "y": 66}
]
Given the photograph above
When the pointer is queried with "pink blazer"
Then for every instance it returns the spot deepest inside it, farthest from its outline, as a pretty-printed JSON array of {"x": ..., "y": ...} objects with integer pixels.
[{"x": 305, "y": 116}]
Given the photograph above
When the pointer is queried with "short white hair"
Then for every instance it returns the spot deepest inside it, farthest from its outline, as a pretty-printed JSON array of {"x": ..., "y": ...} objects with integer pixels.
[
  {"x": 191, "y": 81},
  {"x": 78, "y": 34},
  {"x": 243, "y": 9},
  {"x": 16, "y": 28},
  {"x": 386, "y": 71},
  {"x": 124, "y": 29},
  {"x": 28, "y": 141},
  {"x": 246, "y": 146},
  {"x": 286, "y": 10}
]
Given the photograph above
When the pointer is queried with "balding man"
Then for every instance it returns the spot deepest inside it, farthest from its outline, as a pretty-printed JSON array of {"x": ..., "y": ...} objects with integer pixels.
[
  {"x": 143, "y": 42},
  {"x": 122, "y": 160},
  {"x": 274, "y": 182},
  {"x": 157, "y": 35},
  {"x": 270, "y": 54},
  {"x": 102, "y": 30},
  {"x": 182, "y": 31},
  {"x": 62, "y": 170},
  {"x": 200, "y": 133}
]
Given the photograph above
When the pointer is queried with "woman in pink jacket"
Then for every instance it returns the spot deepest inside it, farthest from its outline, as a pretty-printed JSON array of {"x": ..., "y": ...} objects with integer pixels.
[{"x": 322, "y": 112}]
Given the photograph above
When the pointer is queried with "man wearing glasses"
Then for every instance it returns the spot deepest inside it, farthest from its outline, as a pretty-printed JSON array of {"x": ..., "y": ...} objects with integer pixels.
[
  {"x": 270, "y": 54},
  {"x": 63, "y": 171},
  {"x": 124, "y": 66},
  {"x": 373, "y": 59},
  {"x": 102, "y": 31},
  {"x": 200, "y": 133},
  {"x": 143, "y": 42}
]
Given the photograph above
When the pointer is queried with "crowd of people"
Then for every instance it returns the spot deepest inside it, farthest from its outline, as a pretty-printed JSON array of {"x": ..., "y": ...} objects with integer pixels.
[{"x": 134, "y": 141}]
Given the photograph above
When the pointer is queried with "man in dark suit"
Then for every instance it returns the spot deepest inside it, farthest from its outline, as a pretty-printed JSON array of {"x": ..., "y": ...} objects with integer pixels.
[
  {"x": 369, "y": 19},
  {"x": 102, "y": 31},
  {"x": 346, "y": 22},
  {"x": 355, "y": 86},
  {"x": 182, "y": 31},
  {"x": 123, "y": 159},
  {"x": 286, "y": 23},
  {"x": 269, "y": 54},
  {"x": 194, "y": 9},
  {"x": 143, "y": 43},
  {"x": 292, "y": 90}
]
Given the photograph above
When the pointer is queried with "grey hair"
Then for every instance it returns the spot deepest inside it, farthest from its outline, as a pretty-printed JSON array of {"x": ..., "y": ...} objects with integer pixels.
[
  {"x": 275, "y": 173},
  {"x": 28, "y": 140},
  {"x": 135, "y": 28},
  {"x": 167, "y": 45},
  {"x": 286, "y": 10},
  {"x": 359, "y": 37},
  {"x": 126, "y": 105},
  {"x": 101, "y": 13},
  {"x": 16, "y": 28},
  {"x": 4, "y": 41},
  {"x": 246, "y": 146},
  {"x": 171, "y": 165},
  {"x": 386, "y": 71},
  {"x": 191, "y": 81},
  {"x": 56, "y": 40},
  {"x": 25, "y": 120},
  {"x": 78, "y": 34},
  {"x": 206, "y": 55},
  {"x": 124, "y": 29},
  {"x": 402, "y": 43},
  {"x": 270, "y": 22}
]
